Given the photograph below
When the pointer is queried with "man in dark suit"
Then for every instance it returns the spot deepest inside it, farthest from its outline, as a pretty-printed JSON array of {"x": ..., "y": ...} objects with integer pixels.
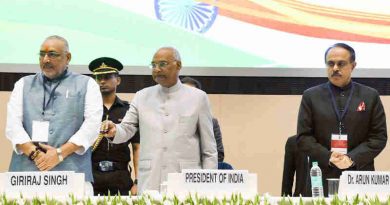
[
  {"x": 295, "y": 163},
  {"x": 341, "y": 123}
]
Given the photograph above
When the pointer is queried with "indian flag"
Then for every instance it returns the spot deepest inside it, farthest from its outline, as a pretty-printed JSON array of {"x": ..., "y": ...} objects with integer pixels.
[{"x": 283, "y": 33}]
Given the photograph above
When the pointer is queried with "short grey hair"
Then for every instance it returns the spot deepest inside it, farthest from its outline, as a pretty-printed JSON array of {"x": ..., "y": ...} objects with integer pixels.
[
  {"x": 66, "y": 45},
  {"x": 176, "y": 53}
]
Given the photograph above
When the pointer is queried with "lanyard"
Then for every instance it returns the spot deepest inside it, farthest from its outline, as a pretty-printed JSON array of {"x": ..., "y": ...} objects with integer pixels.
[
  {"x": 341, "y": 116},
  {"x": 51, "y": 96}
]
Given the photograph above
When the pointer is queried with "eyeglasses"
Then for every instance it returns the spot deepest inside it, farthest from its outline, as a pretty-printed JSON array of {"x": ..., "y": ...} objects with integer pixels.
[
  {"x": 340, "y": 64},
  {"x": 50, "y": 54},
  {"x": 160, "y": 64}
]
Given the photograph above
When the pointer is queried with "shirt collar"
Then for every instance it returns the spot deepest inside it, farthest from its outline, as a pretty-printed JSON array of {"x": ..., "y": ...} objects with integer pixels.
[
  {"x": 345, "y": 88},
  {"x": 118, "y": 101},
  {"x": 173, "y": 88}
]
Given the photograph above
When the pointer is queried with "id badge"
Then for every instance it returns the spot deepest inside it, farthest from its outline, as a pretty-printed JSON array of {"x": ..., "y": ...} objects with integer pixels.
[
  {"x": 339, "y": 143},
  {"x": 40, "y": 131}
]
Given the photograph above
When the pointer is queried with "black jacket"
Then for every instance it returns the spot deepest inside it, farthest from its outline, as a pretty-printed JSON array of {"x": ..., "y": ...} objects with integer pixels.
[
  {"x": 295, "y": 163},
  {"x": 366, "y": 129}
]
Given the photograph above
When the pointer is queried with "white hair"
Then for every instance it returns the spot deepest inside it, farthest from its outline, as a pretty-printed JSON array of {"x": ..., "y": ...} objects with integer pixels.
[
  {"x": 176, "y": 53},
  {"x": 66, "y": 45}
]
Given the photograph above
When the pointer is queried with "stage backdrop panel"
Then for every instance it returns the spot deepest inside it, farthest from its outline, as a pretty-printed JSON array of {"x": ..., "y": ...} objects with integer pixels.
[{"x": 215, "y": 37}]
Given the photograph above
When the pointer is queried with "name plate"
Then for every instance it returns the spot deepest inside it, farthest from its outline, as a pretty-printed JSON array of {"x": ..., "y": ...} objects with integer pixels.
[
  {"x": 53, "y": 183},
  {"x": 212, "y": 182},
  {"x": 370, "y": 183}
]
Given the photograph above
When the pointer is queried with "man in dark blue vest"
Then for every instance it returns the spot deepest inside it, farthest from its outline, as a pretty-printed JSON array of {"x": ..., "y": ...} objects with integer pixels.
[
  {"x": 110, "y": 162},
  {"x": 53, "y": 117}
]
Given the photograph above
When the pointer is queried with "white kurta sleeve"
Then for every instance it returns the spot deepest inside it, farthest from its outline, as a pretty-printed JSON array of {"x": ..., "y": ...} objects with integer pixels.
[{"x": 15, "y": 131}]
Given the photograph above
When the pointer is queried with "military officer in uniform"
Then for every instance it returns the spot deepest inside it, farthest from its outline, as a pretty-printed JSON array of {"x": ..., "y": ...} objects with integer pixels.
[{"x": 110, "y": 162}]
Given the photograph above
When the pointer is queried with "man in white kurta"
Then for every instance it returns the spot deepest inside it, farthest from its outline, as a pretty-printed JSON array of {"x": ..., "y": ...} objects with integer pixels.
[{"x": 174, "y": 121}]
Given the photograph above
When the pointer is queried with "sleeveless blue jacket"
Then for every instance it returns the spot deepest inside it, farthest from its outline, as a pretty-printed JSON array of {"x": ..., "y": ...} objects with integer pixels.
[{"x": 65, "y": 113}]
